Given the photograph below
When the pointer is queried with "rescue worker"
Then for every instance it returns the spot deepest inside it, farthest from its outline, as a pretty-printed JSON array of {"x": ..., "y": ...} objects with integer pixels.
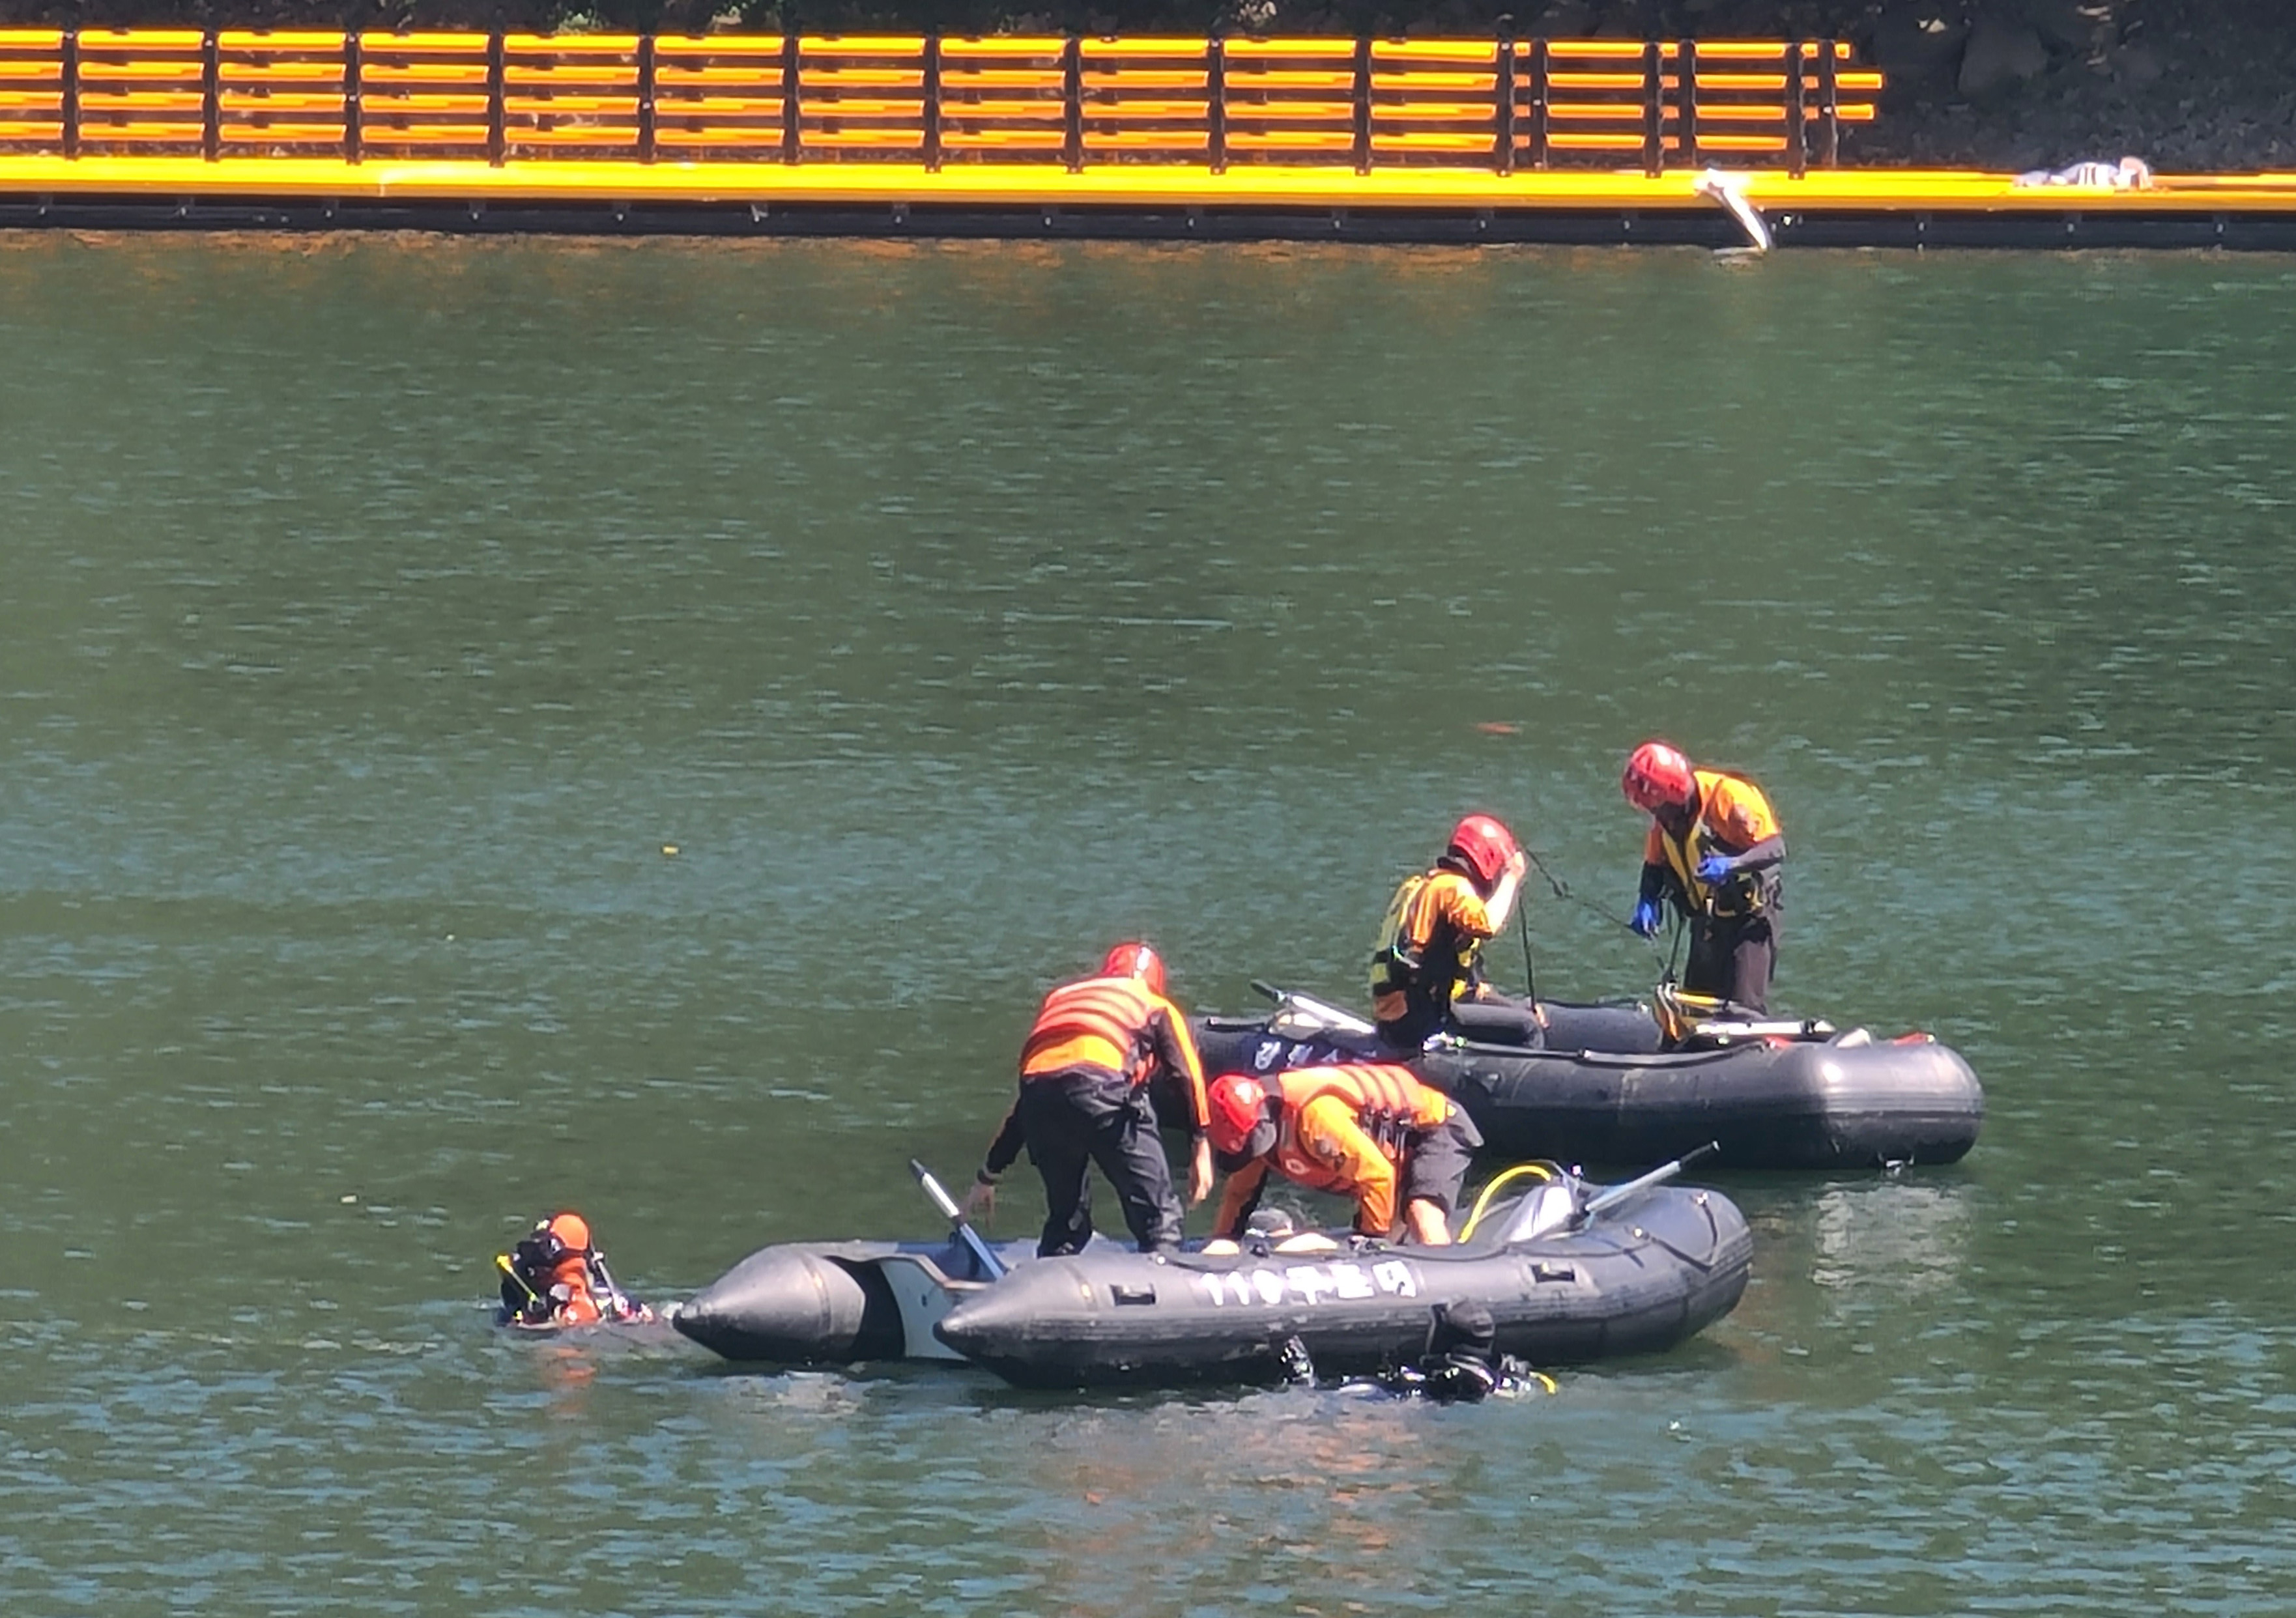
[
  {"x": 1426, "y": 965},
  {"x": 1714, "y": 849},
  {"x": 1460, "y": 1364},
  {"x": 1367, "y": 1130},
  {"x": 1098, "y": 1045},
  {"x": 553, "y": 1277}
]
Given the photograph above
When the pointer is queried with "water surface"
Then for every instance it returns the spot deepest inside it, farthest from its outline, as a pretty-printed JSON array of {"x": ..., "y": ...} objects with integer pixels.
[{"x": 379, "y": 613}]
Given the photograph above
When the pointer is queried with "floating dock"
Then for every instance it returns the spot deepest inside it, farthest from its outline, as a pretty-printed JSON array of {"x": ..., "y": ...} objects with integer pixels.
[{"x": 1713, "y": 143}]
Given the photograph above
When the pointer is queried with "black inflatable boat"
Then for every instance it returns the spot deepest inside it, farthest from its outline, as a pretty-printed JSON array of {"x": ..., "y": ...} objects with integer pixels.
[
  {"x": 1568, "y": 1275},
  {"x": 1624, "y": 1082}
]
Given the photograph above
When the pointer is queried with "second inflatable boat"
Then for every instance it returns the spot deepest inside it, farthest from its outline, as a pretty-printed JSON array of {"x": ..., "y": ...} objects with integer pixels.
[{"x": 1625, "y": 1082}]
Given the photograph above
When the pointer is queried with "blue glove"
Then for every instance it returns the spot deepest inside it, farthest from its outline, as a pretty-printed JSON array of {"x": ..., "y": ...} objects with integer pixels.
[
  {"x": 1646, "y": 921},
  {"x": 1716, "y": 867}
]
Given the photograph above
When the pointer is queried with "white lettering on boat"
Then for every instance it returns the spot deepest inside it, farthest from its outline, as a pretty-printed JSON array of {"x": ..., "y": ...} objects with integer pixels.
[
  {"x": 1308, "y": 1284},
  {"x": 1310, "y": 1281},
  {"x": 1217, "y": 1283},
  {"x": 1395, "y": 1276}
]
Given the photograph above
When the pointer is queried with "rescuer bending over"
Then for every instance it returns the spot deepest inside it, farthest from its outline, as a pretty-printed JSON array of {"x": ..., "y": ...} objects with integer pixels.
[
  {"x": 1097, "y": 1046},
  {"x": 1367, "y": 1130}
]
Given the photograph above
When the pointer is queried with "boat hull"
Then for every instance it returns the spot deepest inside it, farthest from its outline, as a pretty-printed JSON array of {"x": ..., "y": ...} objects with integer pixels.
[
  {"x": 1604, "y": 1092},
  {"x": 1636, "y": 1281},
  {"x": 1638, "y": 1285}
]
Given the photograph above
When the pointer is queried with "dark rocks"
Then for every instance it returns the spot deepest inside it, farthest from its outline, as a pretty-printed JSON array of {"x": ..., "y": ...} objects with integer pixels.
[
  {"x": 1566, "y": 19},
  {"x": 2136, "y": 66},
  {"x": 2001, "y": 53},
  {"x": 1917, "y": 42},
  {"x": 2071, "y": 28},
  {"x": 2188, "y": 85}
]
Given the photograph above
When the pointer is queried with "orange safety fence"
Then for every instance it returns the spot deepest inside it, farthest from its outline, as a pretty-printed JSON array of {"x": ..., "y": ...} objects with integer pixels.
[
  {"x": 1145, "y": 100},
  {"x": 1500, "y": 103},
  {"x": 1435, "y": 101},
  {"x": 1006, "y": 97},
  {"x": 143, "y": 90},
  {"x": 723, "y": 96},
  {"x": 861, "y": 97},
  {"x": 1290, "y": 101},
  {"x": 280, "y": 92},
  {"x": 577, "y": 96},
  {"x": 31, "y": 88},
  {"x": 430, "y": 96}
]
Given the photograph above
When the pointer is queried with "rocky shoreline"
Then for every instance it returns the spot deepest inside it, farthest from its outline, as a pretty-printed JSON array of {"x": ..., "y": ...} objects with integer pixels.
[
  {"x": 2006, "y": 85},
  {"x": 2187, "y": 85}
]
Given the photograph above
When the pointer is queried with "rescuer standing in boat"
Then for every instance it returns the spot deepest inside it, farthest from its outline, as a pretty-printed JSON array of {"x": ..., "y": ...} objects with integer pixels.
[
  {"x": 1086, "y": 1069},
  {"x": 1714, "y": 849},
  {"x": 1367, "y": 1130},
  {"x": 1426, "y": 971}
]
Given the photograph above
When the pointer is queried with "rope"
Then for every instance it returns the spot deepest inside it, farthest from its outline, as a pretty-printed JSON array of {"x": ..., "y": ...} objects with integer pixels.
[{"x": 1563, "y": 892}]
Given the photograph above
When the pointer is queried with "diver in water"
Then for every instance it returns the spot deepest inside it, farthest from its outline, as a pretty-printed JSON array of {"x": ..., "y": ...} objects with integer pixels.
[
  {"x": 1459, "y": 1365},
  {"x": 553, "y": 1277}
]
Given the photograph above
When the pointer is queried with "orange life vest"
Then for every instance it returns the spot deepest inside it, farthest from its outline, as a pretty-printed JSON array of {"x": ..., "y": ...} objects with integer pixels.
[
  {"x": 578, "y": 1306},
  {"x": 1729, "y": 815},
  {"x": 1115, "y": 1025},
  {"x": 1428, "y": 949},
  {"x": 1389, "y": 1102},
  {"x": 1098, "y": 1022}
]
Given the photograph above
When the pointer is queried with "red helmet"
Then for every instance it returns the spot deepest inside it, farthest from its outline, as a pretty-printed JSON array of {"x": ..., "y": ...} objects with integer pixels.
[
  {"x": 572, "y": 1231},
  {"x": 1239, "y": 1105},
  {"x": 1658, "y": 775},
  {"x": 1135, "y": 960},
  {"x": 1484, "y": 846}
]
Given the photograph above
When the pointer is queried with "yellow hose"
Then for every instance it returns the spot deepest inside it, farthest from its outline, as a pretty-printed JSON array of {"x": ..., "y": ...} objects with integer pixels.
[
  {"x": 1483, "y": 1202},
  {"x": 502, "y": 1264}
]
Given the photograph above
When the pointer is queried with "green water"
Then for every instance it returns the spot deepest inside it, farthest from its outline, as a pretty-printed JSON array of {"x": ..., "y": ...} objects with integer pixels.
[{"x": 376, "y": 612}]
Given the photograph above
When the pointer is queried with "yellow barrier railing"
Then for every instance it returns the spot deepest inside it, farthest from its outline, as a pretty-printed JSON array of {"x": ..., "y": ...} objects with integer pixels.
[{"x": 1499, "y": 103}]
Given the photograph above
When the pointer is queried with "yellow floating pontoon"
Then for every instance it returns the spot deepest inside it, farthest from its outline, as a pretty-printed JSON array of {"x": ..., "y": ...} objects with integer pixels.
[{"x": 1495, "y": 139}]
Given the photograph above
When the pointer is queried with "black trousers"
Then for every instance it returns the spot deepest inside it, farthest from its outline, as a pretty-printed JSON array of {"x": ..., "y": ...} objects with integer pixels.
[
  {"x": 1502, "y": 1019},
  {"x": 1073, "y": 1121},
  {"x": 1732, "y": 956},
  {"x": 1435, "y": 1165}
]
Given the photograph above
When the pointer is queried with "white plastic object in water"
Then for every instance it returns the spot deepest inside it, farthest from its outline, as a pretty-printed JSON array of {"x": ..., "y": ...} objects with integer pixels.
[{"x": 1730, "y": 190}]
